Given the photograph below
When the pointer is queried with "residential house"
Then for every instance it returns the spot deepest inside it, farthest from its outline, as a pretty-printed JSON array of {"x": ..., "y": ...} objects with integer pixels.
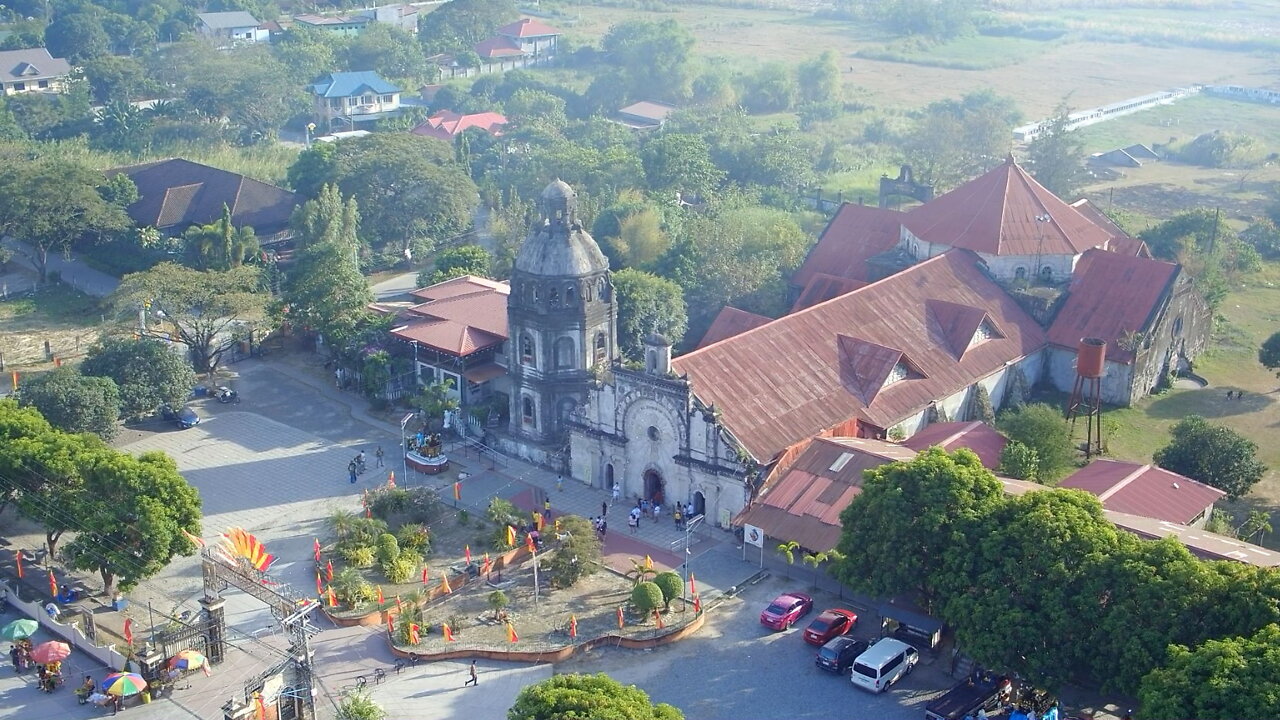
[
  {"x": 176, "y": 194},
  {"x": 346, "y": 99},
  {"x": 645, "y": 115},
  {"x": 231, "y": 28},
  {"x": 447, "y": 125},
  {"x": 523, "y": 43},
  {"x": 1146, "y": 490},
  {"x": 404, "y": 17},
  {"x": 32, "y": 70},
  {"x": 532, "y": 36}
]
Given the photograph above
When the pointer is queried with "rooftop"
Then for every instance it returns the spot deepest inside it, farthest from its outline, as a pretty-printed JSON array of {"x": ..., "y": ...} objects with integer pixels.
[
  {"x": 1145, "y": 490},
  {"x": 176, "y": 193},
  {"x": 350, "y": 84},
  {"x": 822, "y": 287},
  {"x": 653, "y": 112},
  {"x": 458, "y": 316},
  {"x": 855, "y": 234},
  {"x": 446, "y": 124},
  {"x": 985, "y": 441},
  {"x": 498, "y": 46},
  {"x": 31, "y": 65},
  {"x": 527, "y": 28},
  {"x": 729, "y": 322},
  {"x": 227, "y": 20}
]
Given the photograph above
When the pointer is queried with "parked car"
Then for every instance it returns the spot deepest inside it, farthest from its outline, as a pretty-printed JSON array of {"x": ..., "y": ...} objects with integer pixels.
[
  {"x": 785, "y": 609},
  {"x": 839, "y": 653},
  {"x": 883, "y": 664},
  {"x": 831, "y": 623},
  {"x": 184, "y": 417}
]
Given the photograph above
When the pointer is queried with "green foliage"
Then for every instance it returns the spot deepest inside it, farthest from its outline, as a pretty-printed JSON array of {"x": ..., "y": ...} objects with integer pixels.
[
  {"x": 912, "y": 512},
  {"x": 455, "y": 262},
  {"x": 1019, "y": 461},
  {"x": 402, "y": 569},
  {"x": 314, "y": 168},
  {"x": 981, "y": 409},
  {"x": 325, "y": 290},
  {"x": 652, "y": 59},
  {"x": 1213, "y": 454},
  {"x": 1221, "y": 679},
  {"x": 578, "y": 555},
  {"x": 73, "y": 402},
  {"x": 930, "y": 18},
  {"x": 671, "y": 586},
  {"x": 647, "y": 304},
  {"x": 678, "y": 162},
  {"x": 1222, "y": 149},
  {"x": 1263, "y": 235},
  {"x": 1041, "y": 428},
  {"x": 414, "y": 537},
  {"x": 503, "y": 512},
  {"x": 145, "y": 370},
  {"x": 220, "y": 245},
  {"x": 788, "y": 550},
  {"x": 537, "y": 107},
  {"x": 359, "y": 706},
  {"x": 565, "y": 697},
  {"x": 646, "y": 597},
  {"x": 210, "y": 310},
  {"x": 389, "y": 51},
  {"x": 1056, "y": 156},
  {"x": 957, "y": 140},
  {"x": 388, "y": 549},
  {"x": 771, "y": 89},
  {"x": 385, "y": 502},
  {"x": 819, "y": 79},
  {"x": 1207, "y": 247},
  {"x": 456, "y": 26},
  {"x": 497, "y": 601},
  {"x": 360, "y": 556},
  {"x": 1269, "y": 353},
  {"x": 366, "y": 531}
]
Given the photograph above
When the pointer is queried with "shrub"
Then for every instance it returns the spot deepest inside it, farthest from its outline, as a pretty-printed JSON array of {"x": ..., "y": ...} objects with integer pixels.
[
  {"x": 387, "y": 501},
  {"x": 498, "y": 600},
  {"x": 503, "y": 512},
  {"x": 647, "y": 597},
  {"x": 351, "y": 588},
  {"x": 388, "y": 549},
  {"x": 401, "y": 570},
  {"x": 360, "y": 556},
  {"x": 457, "y": 622},
  {"x": 414, "y": 536},
  {"x": 671, "y": 586},
  {"x": 423, "y": 506},
  {"x": 578, "y": 555},
  {"x": 1019, "y": 461},
  {"x": 359, "y": 706},
  {"x": 364, "y": 531}
]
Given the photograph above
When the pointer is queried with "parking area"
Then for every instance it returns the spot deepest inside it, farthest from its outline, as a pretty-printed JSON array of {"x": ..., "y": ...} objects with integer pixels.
[{"x": 736, "y": 668}]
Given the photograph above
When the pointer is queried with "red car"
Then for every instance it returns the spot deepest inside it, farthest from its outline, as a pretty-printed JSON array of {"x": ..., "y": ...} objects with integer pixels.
[
  {"x": 831, "y": 623},
  {"x": 785, "y": 609}
]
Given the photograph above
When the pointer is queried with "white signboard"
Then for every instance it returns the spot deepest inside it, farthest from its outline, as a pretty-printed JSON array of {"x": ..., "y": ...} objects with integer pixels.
[{"x": 753, "y": 535}]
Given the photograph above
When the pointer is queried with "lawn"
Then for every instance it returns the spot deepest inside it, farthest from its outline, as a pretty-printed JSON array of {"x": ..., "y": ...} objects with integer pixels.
[
  {"x": 68, "y": 319},
  {"x": 972, "y": 52},
  {"x": 1185, "y": 120}
]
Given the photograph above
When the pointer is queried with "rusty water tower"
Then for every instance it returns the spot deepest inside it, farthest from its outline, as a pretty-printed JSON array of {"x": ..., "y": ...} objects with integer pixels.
[{"x": 1086, "y": 393}]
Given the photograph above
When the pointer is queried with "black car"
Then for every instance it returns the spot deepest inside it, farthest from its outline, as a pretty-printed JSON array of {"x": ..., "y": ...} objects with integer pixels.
[
  {"x": 184, "y": 417},
  {"x": 839, "y": 653}
]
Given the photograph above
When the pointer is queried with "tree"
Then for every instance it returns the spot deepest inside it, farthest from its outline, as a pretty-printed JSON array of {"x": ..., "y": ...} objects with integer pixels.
[
  {"x": 1041, "y": 428},
  {"x": 113, "y": 77},
  {"x": 78, "y": 36},
  {"x": 1232, "y": 677},
  {"x": 210, "y": 310},
  {"x": 456, "y": 262},
  {"x": 646, "y": 597},
  {"x": 387, "y": 50},
  {"x": 815, "y": 559},
  {"x": 1269, "y": 353},
  {"x": 50, "y": 203},
  {"x": 647, "y": 305},
  {"x": 433, "y": 401},
  {"x": 1263, "y": 235},
  {"x": 325, "y": 290},
  {"x": 220, "y": 245},
  {"x": 913, "y": 512},
  {"x": 315, "y": 167},
  {"x": 48, "y": 469},
  {"x": 956, "y": 140},
  {"x": 455, "y": 26},
  {"x": 819, "y": 79},
  {"x": 788, "y": 550},
  {"x": 680, "y": 163},
  {"x": 133, "y": 514},
  {"x": 573, "y": 696},
  {"x": 1056, "y": 156},
  {"x": 653, "y": 58},
  {"x": 146, "y": 372},
  {"x": 772, "y": 89},
  {"x": 530, "y": 105},
  {"x": 671, "y": 586},
  {"x": 981, "y": 409},
  {"x": 73, "y": 402},
  {"x": 578, "y": 555},
  {"x": 1213, "y": 454},
  {"x": 1019, "y": 461},
  {"x": 497, "y": 601}
]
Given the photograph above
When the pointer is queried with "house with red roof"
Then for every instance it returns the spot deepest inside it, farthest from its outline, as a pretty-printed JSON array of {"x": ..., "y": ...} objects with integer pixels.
[
  {"x": 531, "y": 36},
  {"x": 447, "y": 124},
  {"x": 1146, "y": 490},
  {"x": 527, "y": 41}
]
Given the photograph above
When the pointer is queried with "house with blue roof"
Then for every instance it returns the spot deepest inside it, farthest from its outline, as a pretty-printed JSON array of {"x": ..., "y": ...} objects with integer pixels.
[{"x": 343, "y": 100}]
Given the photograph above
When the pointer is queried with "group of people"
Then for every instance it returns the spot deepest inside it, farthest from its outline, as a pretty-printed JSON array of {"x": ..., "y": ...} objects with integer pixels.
[
  {"x": 50, "y": 677},
  {"x": 652, "y": 509},
  {"x": 601, "y": 525},
  {"x": 90, "y": 694},
  {"x": 20, "y": 654}
]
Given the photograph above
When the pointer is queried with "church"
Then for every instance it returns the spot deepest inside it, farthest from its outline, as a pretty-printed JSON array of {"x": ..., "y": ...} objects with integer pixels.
[{"x": 900, "y": 318}]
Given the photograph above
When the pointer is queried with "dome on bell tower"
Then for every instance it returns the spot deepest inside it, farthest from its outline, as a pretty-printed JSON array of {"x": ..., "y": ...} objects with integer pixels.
[{"x": 558, "y": 246}]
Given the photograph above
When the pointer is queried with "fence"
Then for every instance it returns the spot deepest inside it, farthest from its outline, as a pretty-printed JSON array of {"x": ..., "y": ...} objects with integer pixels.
[{"x": 70, "y": 632}]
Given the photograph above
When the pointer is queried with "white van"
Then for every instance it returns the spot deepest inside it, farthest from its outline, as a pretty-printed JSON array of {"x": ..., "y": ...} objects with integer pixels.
[{"x": 883, "y": 664}]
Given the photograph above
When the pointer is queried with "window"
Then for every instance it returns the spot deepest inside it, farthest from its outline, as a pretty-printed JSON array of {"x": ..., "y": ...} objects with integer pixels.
[
  {"x": 570, "y": 295},
  {"x": 335, "y": 103},
  {"x": 527, "y": 414},
  {"x": 564, "y": 354},
  {"x": 1046, "y": 273},
  {"x": 366, "y": 99},
  {"x": 19, "y": 87},
  {"x": 840, "y": 462},
  {"x": 653, "y": 433},
  {"x": 1020, "y": 273},
  {"x": 351, "y": 102},
  {"x": 43, "y": 84},
  {"x": 387, "y": 99},
  {"x": 601, "y": 349},
  {"x": 898, "y": 373},
  {"x": 553, "y": 297},
  {"x": 527, "y": 351}
]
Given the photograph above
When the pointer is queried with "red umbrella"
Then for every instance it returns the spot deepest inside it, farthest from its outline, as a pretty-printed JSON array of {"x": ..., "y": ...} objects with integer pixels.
[{"x": 52, "y": 651}]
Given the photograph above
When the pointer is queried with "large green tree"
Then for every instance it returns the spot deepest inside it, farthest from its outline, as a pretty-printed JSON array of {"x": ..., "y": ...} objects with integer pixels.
[
  {"x": 1269, "y": 353},
  {"x": 388, "y": 50},
  {"x": 210, "y": 310},
  {"x": 459, "y": 24},
  {"x": 147, "y": 372},
  {"x": 1225, "y": 679},
  {"x": 220, "y": 245},
  {"x": 955, "y": 140},
  {"x": 914, "y": 512},
  {"x": 325, "y": 290},
  {"x": 1213, "y": 454},
  {"x": 819, "y": 79},
  {"x": 457, "y": 262},
  {"x": 132, "y": 517},
  {"x": 1056, "y": 156},
  {"x": 74, "y": 402},
  {"x": 647, "y": 304},
  {"x": 653, "y": 59},
  {"x": 678, "y": 162},
  {"x": 573, "y": 696},
  {"x": 1042, "y": 428}
]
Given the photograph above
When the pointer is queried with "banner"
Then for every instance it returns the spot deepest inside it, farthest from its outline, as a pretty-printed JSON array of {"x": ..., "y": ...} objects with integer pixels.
[{"x": 753, "y": 535}]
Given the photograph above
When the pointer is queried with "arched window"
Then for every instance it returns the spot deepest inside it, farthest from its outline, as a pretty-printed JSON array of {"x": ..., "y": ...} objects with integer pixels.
[
  {"x": 527, "y": 413},
  {"x": 533, "y": 292},
  {"x": 586, "y": 292},
  {"x": 602, "y": 290},
  {"x": 570, "y": 295},
  {"x": 564, "y": 354},
  {"x": 1020, "y": 273},
  {"x": 601, "y": 353},
  {"x": 1046, "y": 273},
  {"x": 553, "y": 297},
  {"x": 526, "y": 351}
]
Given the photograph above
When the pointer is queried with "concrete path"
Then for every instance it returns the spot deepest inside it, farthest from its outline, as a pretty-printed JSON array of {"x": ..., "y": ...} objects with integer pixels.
[{"x": 74, "y": 271}]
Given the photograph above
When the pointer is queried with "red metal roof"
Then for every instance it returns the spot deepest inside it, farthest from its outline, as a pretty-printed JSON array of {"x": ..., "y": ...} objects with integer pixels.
[
  {"x": 856, "y": 233},
  {"x": 1121, "y": 242},
  {"x": 996, "y": 214},
  {"x": 822, "y": 287},
  {"x": 785, "y": 381},
  {"x": 1111, "y": 296},
  {"x": 458, "y": 316},
  {"x": 979, "y": 437},
  {"x": 498, "y": 46},
  {"x": 527, "y": 27},
  {"x": 447, "y": 124},
  {"x": 1145, "y": 490},
  {"x": 731, "y": 321}
]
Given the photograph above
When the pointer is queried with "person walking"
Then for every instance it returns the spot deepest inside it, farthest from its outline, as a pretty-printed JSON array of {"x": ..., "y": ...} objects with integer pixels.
[
  {"x": 472, "y": 679},
  {"x": 546, "y": 509},
  {"x": 604, "y": 528},
  {"x": 560, "y": 483},
  {"x": 379, "y": 455},
  {"x": 617, "y": 493},
  {"x": 604, "y": 508},
  {"x": 351, "y": 471}
]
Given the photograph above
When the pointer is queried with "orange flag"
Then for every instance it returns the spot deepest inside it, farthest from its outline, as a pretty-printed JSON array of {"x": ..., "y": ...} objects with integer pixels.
[
  {"x": 528, "y": 543},
  {"x": 448, "y": 634},
  {"x": 424, "y": 574},
  {"x": 128, "y": 631},
  {"x": 573, "y": 626},
  {"x": 658, "y": 617},
  {"x": 511, "y": 634},
  {"x": 648, "y": 563},
  {"x": 15, "y": 380},
  {"x": 328, "y": 570},
  {"x": 391, "y": 480},
  {"x": 53, "y": 585},
  {"x": 413, "y": 634},
  {"x": 621, "y": 622},
  {"x": 262, "y": 707},
  {"x": 315, "y": 542},
  {"x": 511, "y": 536},
  {"x": 457, "y": 491},
  {"x": 399, "y": 606},
  {"x": 319, "y": 587},
  {"x": 444, "y": 584},
  {"x": 487, "y": 565},
  {"x": 539, "y": 521},
  {"x": 333, "y": 599},
  {"x": 380, "y": 600},
  {"x": 697, "y": 603},
  {"x": 17, "y": 556},
  {"x": 466, "y": 551},
  {"x": 693, "y": 584}
]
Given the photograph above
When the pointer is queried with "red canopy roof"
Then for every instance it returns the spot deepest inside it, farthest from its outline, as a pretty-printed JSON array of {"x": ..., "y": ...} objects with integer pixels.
[
  {"x": 1145, "y": 490},
  {"x": 458, "y": 316}
]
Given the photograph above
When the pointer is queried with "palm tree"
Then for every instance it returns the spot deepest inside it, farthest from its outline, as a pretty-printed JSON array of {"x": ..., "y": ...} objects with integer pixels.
[
  {"x": 813, "y": 560},
  {"x": 788, "y": 550},
  {"x": 1258, "y": 523},
  {"x": 640, "y": 571}
]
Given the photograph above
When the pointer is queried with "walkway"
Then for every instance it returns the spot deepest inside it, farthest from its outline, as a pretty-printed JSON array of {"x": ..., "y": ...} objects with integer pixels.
[{"x": 72, "y": 269}]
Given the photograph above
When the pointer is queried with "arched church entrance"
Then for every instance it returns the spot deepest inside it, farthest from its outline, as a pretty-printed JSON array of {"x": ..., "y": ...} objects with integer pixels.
[
  {"x": 608, "y": 476},
  {"x": 699, "y": 503},
  {"x": 653, "y": 485}
]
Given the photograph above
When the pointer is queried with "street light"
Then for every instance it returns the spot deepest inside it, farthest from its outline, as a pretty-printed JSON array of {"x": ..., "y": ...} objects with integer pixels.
[
  {"x": 311, "y": 127},
  {"x": 689, "y": 525},
  {"x": 404, "y": 446}
]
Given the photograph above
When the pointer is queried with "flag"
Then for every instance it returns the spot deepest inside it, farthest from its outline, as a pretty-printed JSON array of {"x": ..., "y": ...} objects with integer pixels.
[
  {"x": 128, "y": 631},
  {"x": 15, "y": 380},
  {"x": 528, "y": 543},
  {"x": 262, "y": 707},
  {"x": 391, "y": 480},
  {"x": 648, "y": 563},
  {"x": 457, "y": 491},
  {"x": 487, "y": 565},
  {"x": 466, "y": 551},
  {"x": 621, "y": 622},
  {"x": 413, "y": 634},
  {"x": 315, "y": 542},
  {"x": 424, "y": 574},
  {"x": 380, "y": 600},
  {"x": 368, "y": 512},
  {"x": 511, "y": 536},
  {"x": 448, "y": 634},
  {"x": 512, "y": 637},
  {"x": 399, "y": 606},
  {"x": 444, "y": 584},
  {"x": 558, "y": 524},
  {"x": 697, "y": 604},
  {"x": 573, "y": 626},
  {"x": 57, "y": 361},
  {"x": 328, "y": 570},
  {"x": 333, "y": 600},
  {"x": 693, "y": 584},
  {"x": 53, "y": 585},
  {"x": 199, "y": 541},
  {"x": 17, "y": 556},
  {"x": 319, "y": 587},
  {"x": 658, "y": 617}
]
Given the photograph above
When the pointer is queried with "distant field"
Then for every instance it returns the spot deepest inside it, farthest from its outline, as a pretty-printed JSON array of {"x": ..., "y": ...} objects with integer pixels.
[
  {"x": 1184, "y": 120},
  {"x": 972, "y": 52}
]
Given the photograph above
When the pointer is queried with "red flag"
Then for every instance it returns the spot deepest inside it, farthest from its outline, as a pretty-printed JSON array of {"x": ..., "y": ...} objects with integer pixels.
[
  {"x": 319, "y": 587},
  {"x": 424, "y": 574},
  {"x": 368, "y": 512},
  {"x": 57, "y": 361},
  {"x": 53, "y": 585},
  {"x": 262, "y": 707},
  {"x": 487, "y": 565},
  {"x": 316, "y": 543},
  {"x": 448, "y": 634},
  {"x": 573, "y": 626},
  {"x": 466, "y": 551},
  {"x": 621, "y": 623},
  {"x": 333, "y": 599},
  {"x": 413, "y": 634},
  {"x": 528, "y": 543},
  {"x": 328, "y": 570},
  {"x": 128, "y": 631},
  {"x": 457, "y": 491},
  {"x": 399, "y": 606},
  {"x": 658, "y": 617},
  {"x": 17, "y": 555},
  {"x": 512, "y": 637},
  {"x": 380, "y": 600},
  {"x": 697, "y": 604},
  {"x": 693, "y": 584}
]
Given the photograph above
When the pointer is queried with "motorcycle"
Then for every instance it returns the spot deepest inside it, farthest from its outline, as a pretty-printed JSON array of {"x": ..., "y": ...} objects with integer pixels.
[{"x": 227, "y": 395}]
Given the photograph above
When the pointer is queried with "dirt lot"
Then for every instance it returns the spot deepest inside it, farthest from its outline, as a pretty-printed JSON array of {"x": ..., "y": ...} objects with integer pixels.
[{"x": 68, "y": 320}]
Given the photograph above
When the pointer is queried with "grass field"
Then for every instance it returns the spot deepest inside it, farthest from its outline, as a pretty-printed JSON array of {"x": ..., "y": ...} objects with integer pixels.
[
  {"x": 68, "y": 319},
  {"x": 1185, "y": 120},
  {"x": 972, "y": 52}
]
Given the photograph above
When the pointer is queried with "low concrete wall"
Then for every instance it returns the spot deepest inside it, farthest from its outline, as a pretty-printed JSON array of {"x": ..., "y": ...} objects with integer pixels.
[{"x": 71, "y": 632}]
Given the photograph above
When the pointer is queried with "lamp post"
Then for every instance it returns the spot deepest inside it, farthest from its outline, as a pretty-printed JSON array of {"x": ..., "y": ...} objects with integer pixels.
[
  {"x": 311, "y": 128},
  {"x": 404, "y": 445},
  {"x": 689, "y": 525}
]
